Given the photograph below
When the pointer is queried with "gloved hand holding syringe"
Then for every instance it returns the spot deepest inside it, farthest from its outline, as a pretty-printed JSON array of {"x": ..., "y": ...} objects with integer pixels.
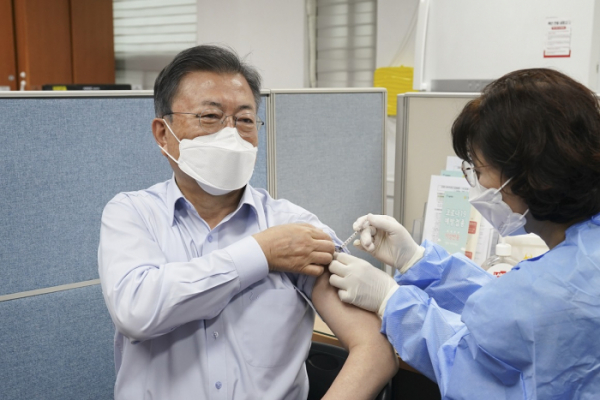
[
  {"x": 386, "y": 240},
  {"x": 360, "y": 283}
]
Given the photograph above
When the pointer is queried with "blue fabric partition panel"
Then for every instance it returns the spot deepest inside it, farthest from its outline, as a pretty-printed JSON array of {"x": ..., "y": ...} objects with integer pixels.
[
  {"x": 62, "y": 160},
  {"x": 259, "y": 177},
  {"x": 330, "y": 155},
  {"x": 57, "y": 346}
]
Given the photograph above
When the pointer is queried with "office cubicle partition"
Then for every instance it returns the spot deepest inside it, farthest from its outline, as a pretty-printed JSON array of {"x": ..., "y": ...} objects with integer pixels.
[
  {"x": 328, "y": 155},
  {"x": 423, "y": 143},
  {"x": 63, "y": 158},
  {"x": 65, "y": 155}
]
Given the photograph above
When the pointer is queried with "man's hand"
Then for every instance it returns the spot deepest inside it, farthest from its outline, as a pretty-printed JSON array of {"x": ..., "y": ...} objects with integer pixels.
[{"x": 298, "y": 248}]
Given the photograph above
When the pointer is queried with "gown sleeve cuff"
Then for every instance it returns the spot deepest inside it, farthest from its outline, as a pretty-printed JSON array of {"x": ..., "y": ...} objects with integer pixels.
[
  {"x": 389, "y": 294},
  {"x": 416, "y": 257}
]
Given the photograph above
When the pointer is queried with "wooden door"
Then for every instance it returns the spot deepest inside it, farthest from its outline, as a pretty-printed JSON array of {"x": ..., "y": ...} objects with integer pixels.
[
  {"x": 43, "y": 32},
  {"x": 93, "y": 42},
  {"x": 8, "y": 62}
]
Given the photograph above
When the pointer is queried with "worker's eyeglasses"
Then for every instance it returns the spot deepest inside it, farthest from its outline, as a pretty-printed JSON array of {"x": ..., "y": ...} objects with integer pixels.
[
  {"x": 470, "y": 173},
  {"x": 212, "y": 121}
]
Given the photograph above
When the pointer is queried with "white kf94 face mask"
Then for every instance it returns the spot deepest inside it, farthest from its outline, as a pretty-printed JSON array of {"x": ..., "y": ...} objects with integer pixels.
[
  {"x": 491, "y": 206},
  {"x": 220, "y": 162}
]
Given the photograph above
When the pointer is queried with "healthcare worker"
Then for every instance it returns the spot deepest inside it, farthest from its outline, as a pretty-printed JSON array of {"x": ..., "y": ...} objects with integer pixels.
[{"x": 531, "y": 145}]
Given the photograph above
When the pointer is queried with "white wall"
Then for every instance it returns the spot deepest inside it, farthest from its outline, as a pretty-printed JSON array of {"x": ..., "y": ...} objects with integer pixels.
[
  {"x": 396, "y": 20},
  {"x": 272, "y": 34},
  {"x": 141, "y": 71}
]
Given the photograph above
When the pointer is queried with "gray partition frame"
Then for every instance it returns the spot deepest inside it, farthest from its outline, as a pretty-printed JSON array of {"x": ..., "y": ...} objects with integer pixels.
[
  {"x": 268, "y": 96},
  {"x": 52, "y": 303},
  {"x": 421, "y": 151},
  {"x": 272, "y": 127},
  {"x": 60, "y": 373},
  {"x": 100, "y": 94},
  {"x": 69, "y": 94},
  {"x": 345, "y": 229},
  {"x": 84, "y": 290},
  {"x": 423, "y": 141}
]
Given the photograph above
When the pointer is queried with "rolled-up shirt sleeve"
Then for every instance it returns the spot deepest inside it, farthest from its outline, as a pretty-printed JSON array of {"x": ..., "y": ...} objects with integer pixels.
[
  {"x": 306, "y": 283},
  {"x": 146, "y": 295}
]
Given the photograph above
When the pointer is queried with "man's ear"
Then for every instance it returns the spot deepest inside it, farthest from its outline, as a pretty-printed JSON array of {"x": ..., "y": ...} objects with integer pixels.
[{"x": 159, "y": 130}]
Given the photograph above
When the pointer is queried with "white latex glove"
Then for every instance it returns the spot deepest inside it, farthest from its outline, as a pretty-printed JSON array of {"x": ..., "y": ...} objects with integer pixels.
[
  {"x": 388, "y": 241},
  {"x": 360, "y": 283}
]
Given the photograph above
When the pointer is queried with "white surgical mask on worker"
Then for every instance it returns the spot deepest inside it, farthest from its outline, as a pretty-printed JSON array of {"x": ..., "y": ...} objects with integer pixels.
[
  {"x": 491, "y": 206},
  {"x": 220, "y": 162}
]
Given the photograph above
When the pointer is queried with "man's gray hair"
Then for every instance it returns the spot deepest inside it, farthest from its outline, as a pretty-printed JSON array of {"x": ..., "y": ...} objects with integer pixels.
[{"x": 200, "y": 58}]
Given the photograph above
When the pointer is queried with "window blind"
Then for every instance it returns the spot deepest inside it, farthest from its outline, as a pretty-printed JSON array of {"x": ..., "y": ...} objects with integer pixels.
[
  {"x": 151, "y": 27},
  {"x": 346, "y": 40}
]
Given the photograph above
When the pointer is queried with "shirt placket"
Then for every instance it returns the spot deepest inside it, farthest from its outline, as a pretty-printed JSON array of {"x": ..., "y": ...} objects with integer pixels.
[
  {"x": 215, "y": 339},
  {"x": 195, "y": 232},
  {"x": 211, "y": 242},
  {"x": 217, "y": 363}
]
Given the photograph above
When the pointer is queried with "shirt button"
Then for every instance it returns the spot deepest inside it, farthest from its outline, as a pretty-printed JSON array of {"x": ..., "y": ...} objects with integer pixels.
[
  {"x": 216, "y": 334},
  {"x": 209, "y": 238},
  {"x": 218, "y": 385}
]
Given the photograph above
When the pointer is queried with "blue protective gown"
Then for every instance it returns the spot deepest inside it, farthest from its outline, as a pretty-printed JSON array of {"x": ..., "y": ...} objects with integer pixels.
[{"x": 533, "y": 333}]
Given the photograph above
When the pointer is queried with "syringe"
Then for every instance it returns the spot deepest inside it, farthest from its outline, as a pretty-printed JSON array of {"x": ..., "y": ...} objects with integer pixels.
[{"x": 347, "y": 241}]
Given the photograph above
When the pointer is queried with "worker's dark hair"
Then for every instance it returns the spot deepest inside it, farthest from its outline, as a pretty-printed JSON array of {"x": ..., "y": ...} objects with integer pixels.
[
  {"x": 541, "y": 128},
  {"x": 200, "y": 58}
]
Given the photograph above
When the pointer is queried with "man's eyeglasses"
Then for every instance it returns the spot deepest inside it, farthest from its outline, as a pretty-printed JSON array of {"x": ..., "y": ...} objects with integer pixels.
[{"x": 213, "y": 120}]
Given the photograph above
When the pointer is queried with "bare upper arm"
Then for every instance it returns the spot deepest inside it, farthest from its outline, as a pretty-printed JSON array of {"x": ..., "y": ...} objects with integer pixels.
[{"x": 350, "y": 324}]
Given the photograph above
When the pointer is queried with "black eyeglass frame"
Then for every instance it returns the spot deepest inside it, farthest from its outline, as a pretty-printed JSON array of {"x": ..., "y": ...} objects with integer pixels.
[{"x": 258, "y": 121}]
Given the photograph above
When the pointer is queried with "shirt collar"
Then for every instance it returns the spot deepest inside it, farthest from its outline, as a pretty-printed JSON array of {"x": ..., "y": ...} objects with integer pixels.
[
  {"x": 174, "y": 197},
  {"x": 248, "y": 198}
]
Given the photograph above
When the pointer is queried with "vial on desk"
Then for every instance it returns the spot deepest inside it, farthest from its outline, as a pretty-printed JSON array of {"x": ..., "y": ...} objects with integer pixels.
[{"x": 502, "y": 262}]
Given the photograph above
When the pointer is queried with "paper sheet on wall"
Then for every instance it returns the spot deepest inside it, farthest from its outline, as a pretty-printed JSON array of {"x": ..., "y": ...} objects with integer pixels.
[
  {"x": 454, "y": 163},
  {"x": 454, "y": 221},
  {"x": 558, "y": 38},
  {"x": 439, "y": 185}
]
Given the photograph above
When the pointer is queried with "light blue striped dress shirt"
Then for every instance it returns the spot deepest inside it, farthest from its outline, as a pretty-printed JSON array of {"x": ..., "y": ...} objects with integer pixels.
[{"x": 196, "y": 311}]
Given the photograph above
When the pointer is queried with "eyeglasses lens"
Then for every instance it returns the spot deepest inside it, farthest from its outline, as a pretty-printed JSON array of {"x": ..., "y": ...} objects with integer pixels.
[
  {"x": 469, "y": 172},
  {"x": 212, "y": 121}
]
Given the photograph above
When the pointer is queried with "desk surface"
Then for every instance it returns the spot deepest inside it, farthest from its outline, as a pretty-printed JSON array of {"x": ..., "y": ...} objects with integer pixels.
[{"x": 322, "y": 334}]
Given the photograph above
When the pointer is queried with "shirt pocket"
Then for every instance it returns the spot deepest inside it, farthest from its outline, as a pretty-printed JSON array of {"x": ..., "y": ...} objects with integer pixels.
[{"x": 275, "y": 323}]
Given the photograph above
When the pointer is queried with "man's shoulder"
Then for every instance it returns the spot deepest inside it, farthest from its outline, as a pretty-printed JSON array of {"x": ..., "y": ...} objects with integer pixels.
[
  {"x": 277, "y": 207},
  {"x": 156, "y": 193}
]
